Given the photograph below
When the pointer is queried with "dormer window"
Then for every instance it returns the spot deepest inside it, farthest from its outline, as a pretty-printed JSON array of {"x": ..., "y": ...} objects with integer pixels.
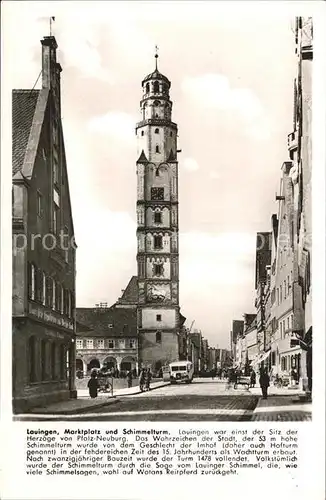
[{"x": 156, "y": 87}]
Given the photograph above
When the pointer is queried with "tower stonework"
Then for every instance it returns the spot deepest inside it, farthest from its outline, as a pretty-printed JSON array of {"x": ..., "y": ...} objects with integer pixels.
[{"x": 157, "y": 225}]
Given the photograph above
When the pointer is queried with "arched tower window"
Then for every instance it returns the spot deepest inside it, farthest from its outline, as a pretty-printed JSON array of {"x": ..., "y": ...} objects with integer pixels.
[
  {"x": 157, "y": 131},
  {"x": 147, "y": 88},
  {"x": 171, "y": 134},
  {"x": 142, "y": 132},
  {"x": 157, "y": 149},
  {"x": 156, "y": 87},
  {"x": 158, "y": 337}
]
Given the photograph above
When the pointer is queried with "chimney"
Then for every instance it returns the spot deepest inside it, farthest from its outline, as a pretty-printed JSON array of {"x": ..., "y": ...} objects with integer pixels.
[{"x": 50, "y": 68}]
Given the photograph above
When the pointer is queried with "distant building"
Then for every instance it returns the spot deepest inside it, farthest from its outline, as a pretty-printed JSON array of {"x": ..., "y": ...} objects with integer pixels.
[
  {"x": 197, "y": 350},
  {"x": 108, "y": 335},
  {"x": 263, "y": 261},
  {"x": 43, "y": 296},
  {"x": 236, "y": 335},
  {"x": 212, "y": 358},
  {"x": 250, "y": 335}
]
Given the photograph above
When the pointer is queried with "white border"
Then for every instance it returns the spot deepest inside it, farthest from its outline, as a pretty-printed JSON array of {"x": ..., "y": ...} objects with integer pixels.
[{"x": 309, "y": 483}]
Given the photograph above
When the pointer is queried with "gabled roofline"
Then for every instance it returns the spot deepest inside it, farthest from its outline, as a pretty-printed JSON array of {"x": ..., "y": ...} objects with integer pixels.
[{"x": 35, "y": 134}]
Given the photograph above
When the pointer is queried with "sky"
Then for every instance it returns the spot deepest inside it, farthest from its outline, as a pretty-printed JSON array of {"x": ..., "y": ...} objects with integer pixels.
[{"x": 231, "y": 72}]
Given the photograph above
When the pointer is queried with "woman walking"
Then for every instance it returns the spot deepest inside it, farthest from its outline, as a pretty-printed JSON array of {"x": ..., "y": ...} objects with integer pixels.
[
  {"x": 93, "y": 385},
  {"x": 253, "y": 378},
  {"x": 142, "y": 380}
]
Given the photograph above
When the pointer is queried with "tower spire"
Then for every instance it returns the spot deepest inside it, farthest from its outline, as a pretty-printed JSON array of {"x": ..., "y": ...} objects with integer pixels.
[
  {"x": 156, "y": 56},
  {"x": 52, "y": 18}
]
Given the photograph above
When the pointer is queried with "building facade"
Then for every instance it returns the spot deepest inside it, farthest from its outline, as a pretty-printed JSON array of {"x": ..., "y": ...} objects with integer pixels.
[
  {"x": 236, "y": 335},
  {"x": 263, "y": 260},
  {"x": 43, "y": 297},
  {"x": 300, "y": 151},
  {"x": 159, "y": 319},
  {"x": 106, "y": 337},
  {"x": 286, "y": 357}
]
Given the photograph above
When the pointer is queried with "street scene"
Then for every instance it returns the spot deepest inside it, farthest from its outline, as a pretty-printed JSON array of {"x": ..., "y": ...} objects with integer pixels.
[
  {"x": 157, "y": 273},
  {"x": 204, "y": 400}
]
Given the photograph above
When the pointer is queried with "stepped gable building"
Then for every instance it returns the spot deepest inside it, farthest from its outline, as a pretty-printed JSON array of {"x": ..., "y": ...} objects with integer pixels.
[
  {"x": 43, "y": 296},
  {"x": 159, "y": 318}
]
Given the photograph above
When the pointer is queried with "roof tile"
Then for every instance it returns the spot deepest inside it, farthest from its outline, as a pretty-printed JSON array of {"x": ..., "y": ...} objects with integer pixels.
[{"x": 23, "y": 109}]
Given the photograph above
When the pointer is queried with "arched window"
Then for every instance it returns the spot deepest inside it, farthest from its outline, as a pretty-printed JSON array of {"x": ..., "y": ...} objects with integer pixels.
[
  {"x": 53, "y": 360},
  {"x": 31, "y": 281},
  {"x": 157, "y": 131},
  {"x": 157, "y": 172},
  {"x": 158, "y": 337},
  {"x": 142, "y": 132},
  {"x": 54, "y": 287},
  {"x": 158, "y": 217},
  {"x": 43, "y": 359},
  {"x": 147, "y": 88},
  {"x": 157, "y": 149},
  {"x": 43, "y": 291},
  {"x": 62, "y": 362},
  {"x": 156, "y": 87},
  {"x": 171, "y": 134},
  {"x": 31, "y": 359}
]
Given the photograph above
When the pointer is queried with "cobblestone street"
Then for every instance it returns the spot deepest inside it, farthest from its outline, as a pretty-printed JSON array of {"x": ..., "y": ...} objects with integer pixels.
[{"x": 203, "y": 400}]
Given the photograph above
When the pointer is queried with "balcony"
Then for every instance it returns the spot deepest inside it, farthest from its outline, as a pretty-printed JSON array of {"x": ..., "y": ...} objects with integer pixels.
[{"x": 293, "y": 141}]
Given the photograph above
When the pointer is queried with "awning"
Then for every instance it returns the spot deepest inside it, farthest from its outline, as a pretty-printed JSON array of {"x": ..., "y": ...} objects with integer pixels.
[
  {"x": 265, "y": 355},
  {"x": 261, "y": 357}
]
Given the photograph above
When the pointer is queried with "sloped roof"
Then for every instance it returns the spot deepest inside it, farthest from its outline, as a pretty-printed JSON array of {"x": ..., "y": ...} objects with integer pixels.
[
  {"x": 142, "y": 158},
  {"x": 130, "y": 295},
  {"x": 107, "y": 322},
  {"x": 23, "y": 110}
]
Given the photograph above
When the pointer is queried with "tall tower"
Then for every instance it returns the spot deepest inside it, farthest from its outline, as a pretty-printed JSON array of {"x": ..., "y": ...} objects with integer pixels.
[{"x": 157, "y": 225}]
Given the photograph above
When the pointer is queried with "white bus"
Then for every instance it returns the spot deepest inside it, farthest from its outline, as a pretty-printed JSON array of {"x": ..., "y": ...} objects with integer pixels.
[{"x": 181, "y": 371}]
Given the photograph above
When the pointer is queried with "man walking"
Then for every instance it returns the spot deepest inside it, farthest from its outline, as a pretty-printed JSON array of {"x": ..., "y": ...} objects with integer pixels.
[{"x": 264, "y": 382}]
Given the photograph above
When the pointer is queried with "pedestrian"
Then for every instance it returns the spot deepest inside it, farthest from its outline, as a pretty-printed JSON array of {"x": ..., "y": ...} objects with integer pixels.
[
  {"x": 93, "y": 385},
  {"x": 264, "y": 382},
  {"x": 142, "y": 379},
  {"x": 253, "y": 378},
  {"x": 129, "y": 378},
  {"x": 148, "y": 378}
]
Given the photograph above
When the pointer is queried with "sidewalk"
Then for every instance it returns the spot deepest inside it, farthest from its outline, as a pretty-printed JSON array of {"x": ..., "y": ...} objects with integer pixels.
[
  {"x": 282, "y": 408},
  {"x": 278, "y": 391},
  {"x": 84, "y": 403}
]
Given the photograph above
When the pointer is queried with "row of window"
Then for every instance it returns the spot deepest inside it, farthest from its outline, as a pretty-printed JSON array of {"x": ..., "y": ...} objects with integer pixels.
[
  {"x": 290, "y": 362},
  {"x": 46, "y": 360},
  {"x": 284, "y": 290},
  {"x": 106, "y": 343},
  {"x": 156, "y": 131},
  {"x": 48, "y": 292},
  {"x": 286, "y": 325},
  {"x": 156, "y": 87}
]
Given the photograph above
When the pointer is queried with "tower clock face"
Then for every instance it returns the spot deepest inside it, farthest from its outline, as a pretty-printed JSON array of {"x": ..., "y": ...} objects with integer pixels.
[{"x": 157, "y": 194}]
